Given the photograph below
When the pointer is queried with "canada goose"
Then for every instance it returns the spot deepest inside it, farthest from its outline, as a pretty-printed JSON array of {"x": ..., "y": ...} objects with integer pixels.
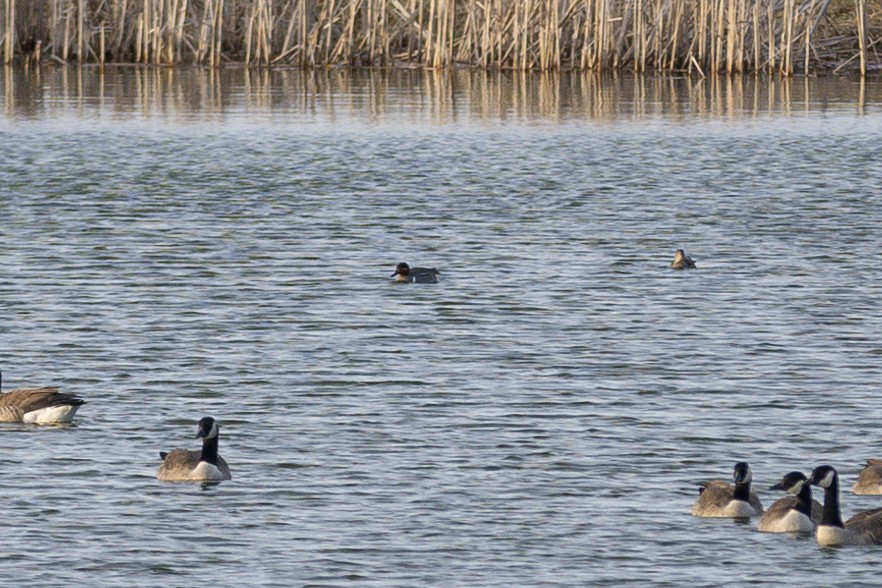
[
  {"x": 720, "y": 499},
  {"x": 41, "y": 406},
  {"x": 794, "y": 513},
  {"x": 870, "y": 479},
  {"x": 180, "y": 465},
  {"x": 682, "y": 261},
  {"x": 864, "y": 528},
  {"x": 418, "y": 275}
]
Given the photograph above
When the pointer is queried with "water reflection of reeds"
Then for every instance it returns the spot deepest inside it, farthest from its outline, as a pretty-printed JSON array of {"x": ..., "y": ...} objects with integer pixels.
[{"x": 438, "y": 95}]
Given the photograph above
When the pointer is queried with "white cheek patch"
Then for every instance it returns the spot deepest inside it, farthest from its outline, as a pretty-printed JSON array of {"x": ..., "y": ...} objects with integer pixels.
[
  {"x": 797, "y": 488},
  {"x": 826, "y": 481}
]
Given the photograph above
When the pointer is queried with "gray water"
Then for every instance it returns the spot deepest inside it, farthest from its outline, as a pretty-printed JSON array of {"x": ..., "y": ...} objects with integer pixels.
[{"x": 185, "y": 243}]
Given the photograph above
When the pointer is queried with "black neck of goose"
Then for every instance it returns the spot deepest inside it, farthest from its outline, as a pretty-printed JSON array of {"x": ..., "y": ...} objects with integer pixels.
[
  {"x": 209, "y": 450},
  {"x": 831, "y": 505},
  {"x": 742, "y": 491},
  {"x": 804, "y": 500}
]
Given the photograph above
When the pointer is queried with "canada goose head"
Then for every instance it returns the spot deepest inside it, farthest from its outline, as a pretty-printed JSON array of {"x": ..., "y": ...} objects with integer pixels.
[
  {"x": 207, "y": 428},
  {"x": 402, "y": 269},
  {"x": 742, "y": 473},
  {"x": 791, "y": 483},
  {"x": 824, "y": 476}
]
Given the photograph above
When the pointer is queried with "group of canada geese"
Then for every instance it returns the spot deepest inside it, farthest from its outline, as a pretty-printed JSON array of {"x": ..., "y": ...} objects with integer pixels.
[
  {"x": 48, "y": 406},
  {"x": 798, "y": 512}
]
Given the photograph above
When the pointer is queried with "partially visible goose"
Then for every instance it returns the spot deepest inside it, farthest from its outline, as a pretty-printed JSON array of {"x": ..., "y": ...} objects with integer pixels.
[
  {"x": 418, "y": 275},
  {"x": 720, "y": 499},
  {"x": 184, "y": 465},
  {"x": 682, "y": 261},
  {"x": 41, "y": 406},
  {"x": 870, "y": 479},
  {"x": 792, "y": 514},
  {"x": 864, "y": 528}
]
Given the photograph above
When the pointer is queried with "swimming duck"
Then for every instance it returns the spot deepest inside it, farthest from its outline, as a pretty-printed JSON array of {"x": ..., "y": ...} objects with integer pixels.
[
  {"x": 418, "y": 275},
  {"x": 796, "y": 513},
  {"x": 864, "y": 528},
  {"x": 184, "y": 465},
  {"x": 40, "y": 406},
  {"x": 720, "y": 499},
  {"x": 682, "y": 261}
]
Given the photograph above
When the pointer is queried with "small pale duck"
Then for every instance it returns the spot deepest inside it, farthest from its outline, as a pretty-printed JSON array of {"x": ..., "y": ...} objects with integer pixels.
[
  {"x": 682, "y": 261},
  {"x": 417, "y": 275},
  {"x": 864, "y": 528},
  {"x": 797, "y": 513},
  {"x": 39, "y": 406},
  {"x": 870, "y": 479},
  {"x": 721, "y": 499},
  {"x": 184, "y": 465}
]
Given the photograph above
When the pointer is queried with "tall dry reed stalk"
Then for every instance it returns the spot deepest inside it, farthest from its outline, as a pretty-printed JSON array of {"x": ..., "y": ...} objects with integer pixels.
[
  {"x": 8, "y": 30},
  {"x": 861, "y": 17}
]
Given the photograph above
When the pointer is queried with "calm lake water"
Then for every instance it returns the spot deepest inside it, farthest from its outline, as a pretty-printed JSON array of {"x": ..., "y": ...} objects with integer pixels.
[{"x": 182, "y": 243}]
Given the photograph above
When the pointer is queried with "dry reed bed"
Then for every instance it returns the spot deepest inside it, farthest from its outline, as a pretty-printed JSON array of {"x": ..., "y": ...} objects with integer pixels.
[{"x": 700, "y": 36}]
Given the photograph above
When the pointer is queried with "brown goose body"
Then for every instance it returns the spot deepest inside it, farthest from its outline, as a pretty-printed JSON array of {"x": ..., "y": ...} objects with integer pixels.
[
  {"x": 870, "y": 479},
  {"x": 38, "y": 405},
  {"x": 184, "y": 465},
  {"x": 717, "y": 499}
]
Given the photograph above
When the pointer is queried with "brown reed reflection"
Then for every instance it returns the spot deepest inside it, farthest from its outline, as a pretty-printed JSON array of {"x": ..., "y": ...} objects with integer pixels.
[{"x": 433, "y": 96}]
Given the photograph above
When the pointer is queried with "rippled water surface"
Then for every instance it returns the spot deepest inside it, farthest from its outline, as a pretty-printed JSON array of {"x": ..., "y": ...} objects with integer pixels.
[{"x": 184, "y": 243}]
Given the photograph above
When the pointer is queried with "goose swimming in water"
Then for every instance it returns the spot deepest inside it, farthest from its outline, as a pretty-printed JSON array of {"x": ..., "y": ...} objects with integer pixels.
[
  {"x": 184, "y": 465},
  {"x": 721, "y": 499},
  {"x": 682, "y": 261},
  {"x": 40, "y": 406},
  {"x": 864, "y": 528},
  {"x": 418, "y": 275},
  {"x": 870, "y": 479},
  {"x": 792, "y": 514}
]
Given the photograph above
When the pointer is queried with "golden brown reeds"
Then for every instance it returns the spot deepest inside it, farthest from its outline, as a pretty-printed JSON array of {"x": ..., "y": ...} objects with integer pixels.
[
  {"x": 702, "y": 36},
  {"x": 861, "y": 16}
]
